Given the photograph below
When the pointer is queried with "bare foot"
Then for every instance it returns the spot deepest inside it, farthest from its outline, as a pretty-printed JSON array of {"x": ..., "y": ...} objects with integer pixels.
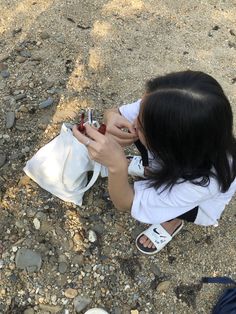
[{"x": 169, "y": 226}]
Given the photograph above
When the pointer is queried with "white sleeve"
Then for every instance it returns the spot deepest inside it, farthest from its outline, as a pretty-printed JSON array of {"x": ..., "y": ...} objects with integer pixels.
[
  {"x": 153, "y": 206},
  {"x": 130, "y": 111}
]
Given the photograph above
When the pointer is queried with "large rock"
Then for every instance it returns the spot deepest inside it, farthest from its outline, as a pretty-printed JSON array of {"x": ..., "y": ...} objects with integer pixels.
[
  {"x": 29, "y": 260},
  {"x": 10, "y": 119},
  {"x": 80, "y": 303}
]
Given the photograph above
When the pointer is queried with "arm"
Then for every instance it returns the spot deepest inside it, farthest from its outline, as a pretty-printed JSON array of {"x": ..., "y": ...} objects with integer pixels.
[
  {"x": 120, "y": 191},
  {"x": 105, "y": 150}
]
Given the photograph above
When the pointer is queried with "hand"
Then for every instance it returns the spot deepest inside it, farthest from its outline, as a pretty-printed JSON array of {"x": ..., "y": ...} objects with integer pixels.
[
  {"x": 115, "y": 123},
  {"x": 102, "y": 148}
]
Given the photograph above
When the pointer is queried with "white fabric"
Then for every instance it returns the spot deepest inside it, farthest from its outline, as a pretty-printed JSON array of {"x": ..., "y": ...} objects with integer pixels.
[
  {"x": 150, "y": 206},
  {"x": 61, "y": 167},
  {"x": 136, "y": 167},
  {"x": 130, "y": 111}
]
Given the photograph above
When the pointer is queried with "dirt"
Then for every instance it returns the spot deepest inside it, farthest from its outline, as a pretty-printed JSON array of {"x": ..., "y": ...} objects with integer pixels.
[{"x": 98, "y": 54}]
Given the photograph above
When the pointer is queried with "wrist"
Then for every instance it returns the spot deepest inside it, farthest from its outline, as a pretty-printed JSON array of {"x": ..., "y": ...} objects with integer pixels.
[{"x": 119, "y": 168}]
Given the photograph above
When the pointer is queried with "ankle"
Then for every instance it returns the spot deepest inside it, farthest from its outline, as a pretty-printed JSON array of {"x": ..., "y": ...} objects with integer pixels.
[{"x": 170, "y": 226}]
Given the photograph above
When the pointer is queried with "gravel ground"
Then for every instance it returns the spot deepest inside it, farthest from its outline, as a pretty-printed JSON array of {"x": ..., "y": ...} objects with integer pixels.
[{"x": 56, "y": 59}]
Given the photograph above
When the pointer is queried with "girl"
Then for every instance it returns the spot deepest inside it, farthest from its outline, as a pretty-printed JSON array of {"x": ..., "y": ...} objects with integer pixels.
[{"x": 185, "y": 121}]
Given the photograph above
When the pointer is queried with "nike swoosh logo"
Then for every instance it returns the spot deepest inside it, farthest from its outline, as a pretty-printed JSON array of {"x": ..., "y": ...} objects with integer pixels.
[{"x": 161, "y": 236}]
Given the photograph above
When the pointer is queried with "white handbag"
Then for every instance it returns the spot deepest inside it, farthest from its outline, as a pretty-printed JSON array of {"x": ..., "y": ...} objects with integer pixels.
[{"x": 61, "y": 167}]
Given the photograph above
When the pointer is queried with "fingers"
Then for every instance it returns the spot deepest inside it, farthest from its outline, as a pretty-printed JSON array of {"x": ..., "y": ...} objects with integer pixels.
[
  {"x": 82, "y": 138},
  {"x": 94, "y": 134},
  {"x": 124, "y": 142},
  {"x": 121, "y": 134}
]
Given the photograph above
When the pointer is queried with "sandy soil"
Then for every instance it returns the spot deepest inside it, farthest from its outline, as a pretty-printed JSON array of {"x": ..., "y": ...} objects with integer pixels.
[{"x": 99, "y": 54}]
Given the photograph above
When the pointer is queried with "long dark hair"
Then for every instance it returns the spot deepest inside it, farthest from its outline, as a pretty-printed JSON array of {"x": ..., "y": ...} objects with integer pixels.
[{"x": 187, "y": 123}]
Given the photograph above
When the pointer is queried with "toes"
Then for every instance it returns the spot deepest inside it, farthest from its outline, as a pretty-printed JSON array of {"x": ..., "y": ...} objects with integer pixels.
[
  {"x": 146, "y": 242},
  {"x": 143, "y": 239}
]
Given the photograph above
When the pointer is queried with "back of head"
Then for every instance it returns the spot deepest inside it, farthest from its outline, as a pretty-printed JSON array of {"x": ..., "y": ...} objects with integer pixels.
[{"x": 187, "y": 122}]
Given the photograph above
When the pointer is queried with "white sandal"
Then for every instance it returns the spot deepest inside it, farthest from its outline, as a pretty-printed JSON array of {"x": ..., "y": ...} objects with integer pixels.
[{"x": 158, "y": 236}]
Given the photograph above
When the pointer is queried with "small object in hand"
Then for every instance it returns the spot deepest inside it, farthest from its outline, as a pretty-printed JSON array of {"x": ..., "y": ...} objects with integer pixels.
[
  {"x": 102, "y": 129},
  {"x": 90, "y": 116},
  {"x": 81, "y": 127}
]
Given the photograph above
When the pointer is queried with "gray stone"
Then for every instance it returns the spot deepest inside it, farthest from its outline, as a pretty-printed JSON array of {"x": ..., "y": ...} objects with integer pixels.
[
  {"x": 10, "y": 119},
  {"x": 155, "y": 270},
  {"x": 28, "y": 260},
  {"x": 78, "y": 260},
  {"x": 25, "y": 53},
  {"x": 3, "y": 158},
  {"x": 5, "y": 74},
  {"x": 46, "y": 103},
  {"x": 62, "y": 267},
  {"x": 44, "y": 35},
  {"x": 60, "y": 39},
  {"x": 50, "y": 308},
  {"x": 20, "y": 97},
  {"x": 80, "y": 303},
  {"x": 116, "y": 310},
  {"x": 99, "y": 228},
  {"x": 16, "y": 31}
]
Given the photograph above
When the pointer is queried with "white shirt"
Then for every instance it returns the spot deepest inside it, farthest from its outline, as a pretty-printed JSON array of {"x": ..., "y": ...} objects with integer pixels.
[{"x": 151, "y": 206}]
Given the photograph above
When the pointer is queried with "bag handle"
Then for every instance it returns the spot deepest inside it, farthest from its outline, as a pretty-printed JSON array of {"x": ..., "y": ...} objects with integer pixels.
[
  {"x": 96, "y": 171},
  {"x": 222, "y": 280}
]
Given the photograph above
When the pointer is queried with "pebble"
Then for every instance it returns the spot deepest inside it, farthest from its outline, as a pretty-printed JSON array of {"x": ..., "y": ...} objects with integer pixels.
[
  {"x": 25, "y": 53},
  {"x": 20, "y": 97},
  {"x": 50, "y": 308},
  {"x": 25, "y": 149},
  {"x": 44, "y": 35},
  {"x": 3, "y": 66},
  {"x": 71, "y": 293},
  {"x": 80, "y": 303},
  {"x": 46, "y": 103},
  {"x": 10, "y": 119},
  {"x": 5, "y": 74},
  {"x": 29, "y": 311},
  {"x": 96, "y": 310},
  {"x": 3, "y": 158},
  {"x": 25, "y": 180},
  {"x": 16, "y": 31},
  {"x": 92, "y": 236},
  {"x": 14, "y": 249},
  {"x": 78, "y": 260},
  {"x": 36, "y": 223},
  {"x": 29, "y": 260},
  {"x": 155, "y": 270},
  {"x": 53, "y": 298},
  {"x": 163, "y": 286},
  {"x": 20, "y": 59},
  {"x": 62, "y": 267}
]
